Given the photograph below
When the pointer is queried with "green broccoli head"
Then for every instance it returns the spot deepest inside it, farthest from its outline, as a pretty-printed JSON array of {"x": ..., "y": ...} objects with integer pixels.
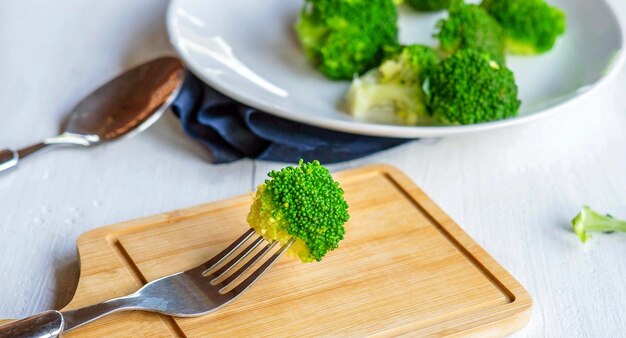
[
  {"x": 530, "y": 26},
  {"x": 430, "y": 5},
  {"x": 393, "y": 93},
  {"x": 304, "y": 203},
  {"x": 471, "y": 27},
  {"x": 469, "y": 87},
  {"x": 347, "y": 37},
  {"x": 590, "y": 220}
]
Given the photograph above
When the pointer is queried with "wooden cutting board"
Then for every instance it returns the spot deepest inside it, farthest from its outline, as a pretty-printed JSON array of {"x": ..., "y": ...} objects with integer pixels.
[{"x": 404, "y": 268}]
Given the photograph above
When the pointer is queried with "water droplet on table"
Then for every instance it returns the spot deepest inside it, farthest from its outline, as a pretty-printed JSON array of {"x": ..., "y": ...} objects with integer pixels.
[{"x": 74, "y": 212}]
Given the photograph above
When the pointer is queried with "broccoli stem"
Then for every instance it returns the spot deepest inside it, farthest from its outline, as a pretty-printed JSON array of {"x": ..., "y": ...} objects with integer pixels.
[{"x": 590, "y": 220}]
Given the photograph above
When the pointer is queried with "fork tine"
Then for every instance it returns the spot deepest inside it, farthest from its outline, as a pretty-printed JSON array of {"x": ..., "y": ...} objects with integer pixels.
[
  {"x": 248, "y": 265},
  {"x": 233, "y": 262},
  {"x": 217, "y": 259},
  {"x": 259, "y": 272}
]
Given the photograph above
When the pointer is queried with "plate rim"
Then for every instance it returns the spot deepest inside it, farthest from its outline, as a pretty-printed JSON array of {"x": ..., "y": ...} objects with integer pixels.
[{"x": 398, "y": 131}]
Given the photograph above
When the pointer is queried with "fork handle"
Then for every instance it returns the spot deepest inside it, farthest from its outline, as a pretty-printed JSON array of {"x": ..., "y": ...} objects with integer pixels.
[
  {"x": 47, "y": 324},
  {"x": 50, "y": 324},
  {"x": 87, "y": 314}
]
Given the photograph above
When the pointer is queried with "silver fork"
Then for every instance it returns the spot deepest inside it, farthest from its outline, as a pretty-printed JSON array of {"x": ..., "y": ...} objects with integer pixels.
[{"x": 190, "y": 293}]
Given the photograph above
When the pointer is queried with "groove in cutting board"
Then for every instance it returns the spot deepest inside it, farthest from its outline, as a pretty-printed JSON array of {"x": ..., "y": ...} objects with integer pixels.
[
  {"x": 460, "y": 247},
  {"x": 168, "y": 321},
  {"x": 405, "y": 268}
]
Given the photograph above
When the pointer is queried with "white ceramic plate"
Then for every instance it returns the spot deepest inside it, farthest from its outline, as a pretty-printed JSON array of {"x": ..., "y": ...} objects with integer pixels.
[{"x": 248, "y": 50}]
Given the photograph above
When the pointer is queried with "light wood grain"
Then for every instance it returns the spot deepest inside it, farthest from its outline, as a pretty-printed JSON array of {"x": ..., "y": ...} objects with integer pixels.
[
  {"x": 514, "y": 190},
  {"x": 404, "y": 268}
]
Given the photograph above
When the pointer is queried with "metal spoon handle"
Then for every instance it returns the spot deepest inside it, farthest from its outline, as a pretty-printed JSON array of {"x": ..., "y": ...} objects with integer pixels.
[{"x": 8, "y": 159}]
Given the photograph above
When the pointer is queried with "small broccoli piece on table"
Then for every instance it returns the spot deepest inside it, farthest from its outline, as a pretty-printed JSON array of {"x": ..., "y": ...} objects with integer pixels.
[
  {"x": 392, "y": 93},
  {"x": 471, "y": 27},
  {"x": 347, "y": 37},
  {"x": 530, "y": 26},
  {"x": 469, "y": 87},
  {"x": 590, "y": 220},
  {"x": 304, "y": 203},
  {"x": 429, "y": 5}
]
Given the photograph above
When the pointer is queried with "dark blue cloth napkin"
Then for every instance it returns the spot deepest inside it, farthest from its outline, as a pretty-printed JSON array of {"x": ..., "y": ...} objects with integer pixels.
[{"x": 231, "y": 131}]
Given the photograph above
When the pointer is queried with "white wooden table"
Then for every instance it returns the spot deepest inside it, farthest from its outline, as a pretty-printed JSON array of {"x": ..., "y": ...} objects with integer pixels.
[{"x": 513, "y": 190}]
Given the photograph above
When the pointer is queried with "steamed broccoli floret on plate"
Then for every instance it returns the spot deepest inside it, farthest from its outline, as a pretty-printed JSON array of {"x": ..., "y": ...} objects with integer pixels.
[
  {"x": 347, "y": 37},
  {"x": 393, "y": 93},
  {"x": 530, "y": 26},
  {"x": 469, "y": 87},
  {"x": 430, "y": 5},
  {"x": 590, "y": 220},
  {"x": 471, "y": 27},
  {"x": 304, "y": 203}
]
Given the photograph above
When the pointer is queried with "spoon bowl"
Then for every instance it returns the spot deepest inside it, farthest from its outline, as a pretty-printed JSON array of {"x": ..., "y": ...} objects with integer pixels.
[{"x": 124, "y": 106}]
